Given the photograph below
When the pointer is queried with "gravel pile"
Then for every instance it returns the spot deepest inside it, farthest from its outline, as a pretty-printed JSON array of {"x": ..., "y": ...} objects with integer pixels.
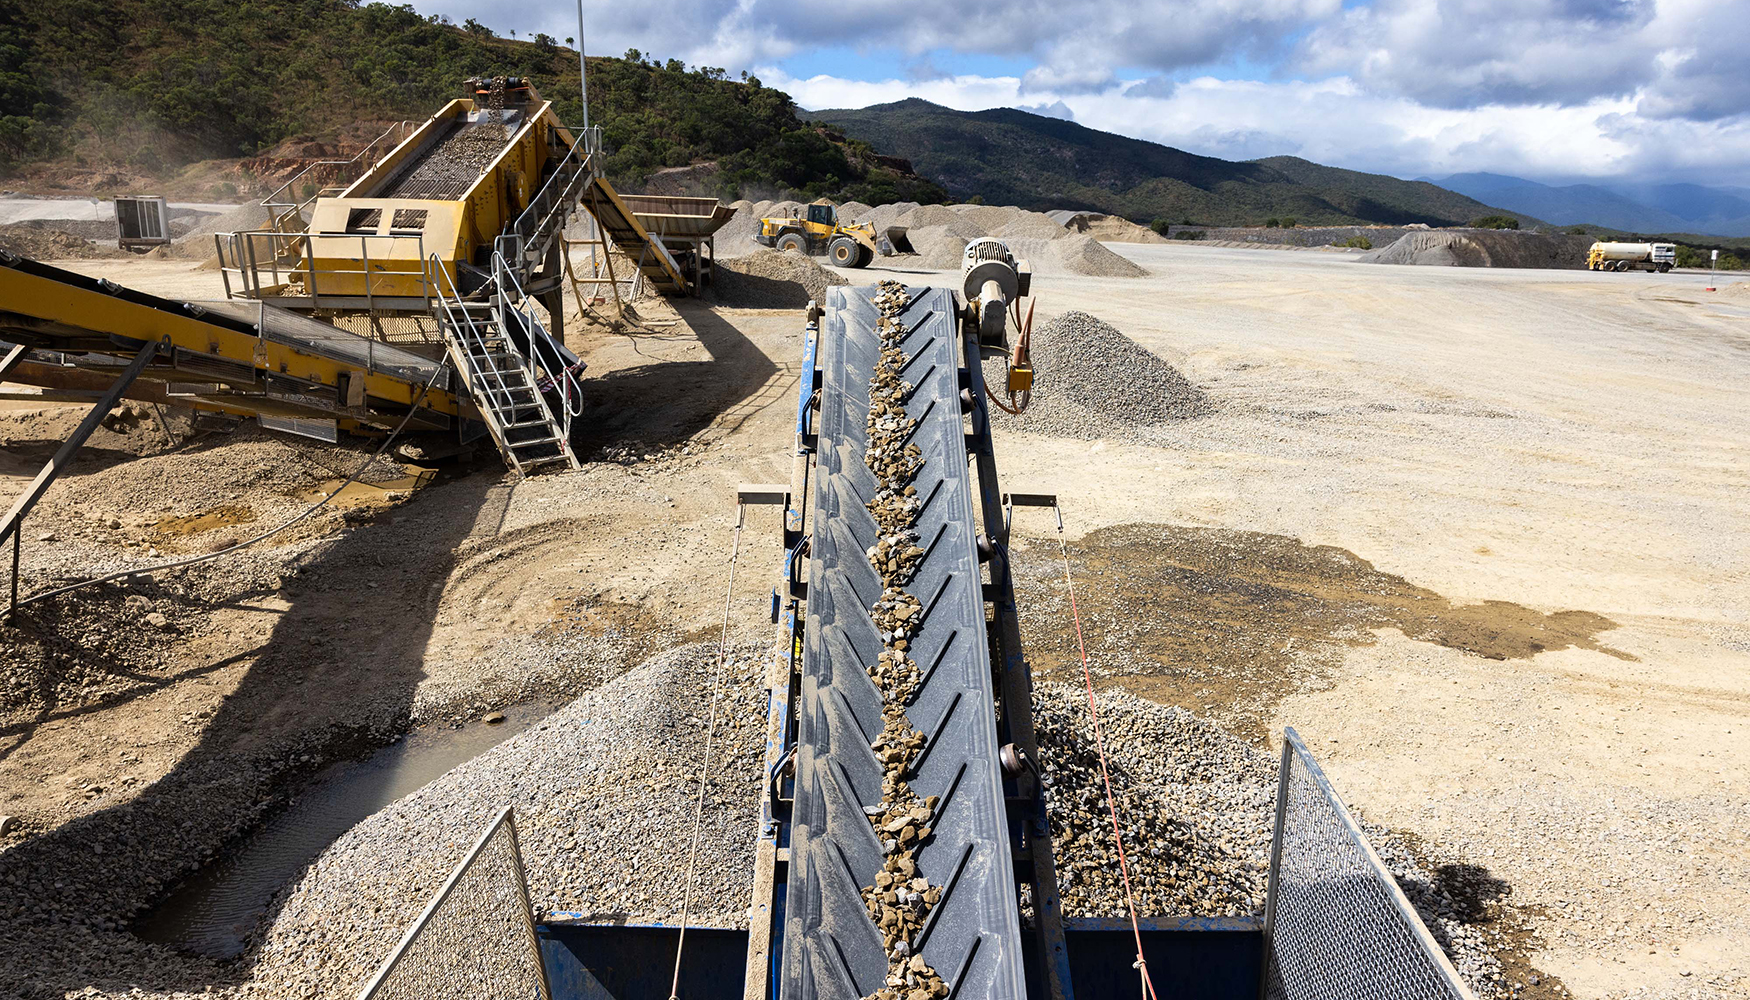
[
  {"x": 1195, "y": 805},
  {"x": 1092, "y": 381},
  {"x": 1107, "y": 228},
  {"x": 197, "y": 242},
  {"x": 604, "y": 792},
  {"x": 1484, "y": 248},
  {"x": 41, "y": 242},
  {"x": 1196, "y": 808},
  {"x": 939, "y": 235},
  {"x": 771, "y": 279}
]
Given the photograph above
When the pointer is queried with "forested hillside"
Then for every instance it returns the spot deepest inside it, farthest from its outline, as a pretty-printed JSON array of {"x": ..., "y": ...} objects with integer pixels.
[
  {"x": 1014, "y": 157},
  {"x": 146, "y": 87}
]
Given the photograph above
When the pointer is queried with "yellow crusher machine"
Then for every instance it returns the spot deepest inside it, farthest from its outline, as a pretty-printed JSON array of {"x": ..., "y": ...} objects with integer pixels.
[{"x": 404, "y": 298}]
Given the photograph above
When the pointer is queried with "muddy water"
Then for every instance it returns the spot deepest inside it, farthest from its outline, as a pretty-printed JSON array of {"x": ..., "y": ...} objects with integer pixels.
[{"x": 213, "y": 912}]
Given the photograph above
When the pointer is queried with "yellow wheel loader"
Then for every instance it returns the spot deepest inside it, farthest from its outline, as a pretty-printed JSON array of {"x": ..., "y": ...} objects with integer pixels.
[{"x": 818, "y": 232}]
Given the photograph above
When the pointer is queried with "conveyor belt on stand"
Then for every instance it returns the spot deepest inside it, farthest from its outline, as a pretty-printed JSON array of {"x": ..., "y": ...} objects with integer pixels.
[
  {"x": 832, "y": 949},
  {"x": 233, "y": 357},
  {"x": 622, "y": 226}
]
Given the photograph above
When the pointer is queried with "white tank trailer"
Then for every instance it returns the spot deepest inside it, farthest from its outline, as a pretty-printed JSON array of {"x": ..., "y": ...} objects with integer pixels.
[{"x": 1660, "y": 257}]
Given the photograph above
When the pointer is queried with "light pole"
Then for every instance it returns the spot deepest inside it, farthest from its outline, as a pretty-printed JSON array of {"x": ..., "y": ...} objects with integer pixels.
[{"x": 582, "y": 69}]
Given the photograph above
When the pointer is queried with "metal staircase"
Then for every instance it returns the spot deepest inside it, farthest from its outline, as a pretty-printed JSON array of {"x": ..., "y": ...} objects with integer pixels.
[
  {"x": 510, "y": 364},
  {"x": 527, "y": 241}
]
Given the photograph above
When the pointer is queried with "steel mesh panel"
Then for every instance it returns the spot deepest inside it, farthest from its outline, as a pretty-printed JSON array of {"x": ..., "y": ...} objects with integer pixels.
[
  {"x": 1339, "y": 928},
  {"x": 479, "y": 939}
]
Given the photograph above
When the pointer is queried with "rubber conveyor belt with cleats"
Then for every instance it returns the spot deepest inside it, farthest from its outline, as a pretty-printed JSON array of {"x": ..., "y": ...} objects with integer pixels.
[{"x": 832, "y": 949}]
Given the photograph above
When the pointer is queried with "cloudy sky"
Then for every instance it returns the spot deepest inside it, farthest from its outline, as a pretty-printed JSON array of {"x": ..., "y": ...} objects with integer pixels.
[{"x": 1556, "y": 90}]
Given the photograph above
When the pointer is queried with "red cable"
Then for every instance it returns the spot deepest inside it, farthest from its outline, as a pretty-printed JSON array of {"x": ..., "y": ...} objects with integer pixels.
[{"x": 1100, "y": 745}]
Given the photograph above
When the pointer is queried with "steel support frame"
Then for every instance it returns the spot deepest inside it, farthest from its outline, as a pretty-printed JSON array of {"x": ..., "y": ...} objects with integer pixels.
[
  {"x": 12, "y": 525},
  {"x": 783, "y": 677}
]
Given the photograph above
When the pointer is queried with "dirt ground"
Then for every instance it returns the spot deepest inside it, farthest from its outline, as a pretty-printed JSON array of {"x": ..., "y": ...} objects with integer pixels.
[{"x": 1478, "y": 535}]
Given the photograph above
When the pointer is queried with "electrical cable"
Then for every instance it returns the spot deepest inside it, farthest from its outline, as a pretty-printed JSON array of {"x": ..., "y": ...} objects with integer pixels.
[
  {"x": 705, "y": 766},
  {"x": 205, "y": 557},
  {"x": 1148, "y": 987}
]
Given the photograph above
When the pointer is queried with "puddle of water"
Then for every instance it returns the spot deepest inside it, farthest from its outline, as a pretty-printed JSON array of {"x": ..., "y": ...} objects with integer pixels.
[
  {"x": 214, "y": 910},
  {"x": 193, "y": 524},
  {"x": 370, "y": 493}
]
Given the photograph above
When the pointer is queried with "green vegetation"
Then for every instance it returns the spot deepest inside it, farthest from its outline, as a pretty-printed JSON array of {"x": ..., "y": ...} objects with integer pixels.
[
  {"x": 1013, "y": 157},
  {"x": 153, "y": 85},
  {"x": 1494, "y": 222},
  {"x": 1189, "y": 234},
  {"x": 1161, "y": 226},
  {"x": 1359, "y": 242},
  {"x": 1688, "y": 256}
]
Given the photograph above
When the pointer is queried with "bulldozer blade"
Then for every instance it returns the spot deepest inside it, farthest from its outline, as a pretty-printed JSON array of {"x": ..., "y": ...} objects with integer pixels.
[{"x": 896, "y": 241}]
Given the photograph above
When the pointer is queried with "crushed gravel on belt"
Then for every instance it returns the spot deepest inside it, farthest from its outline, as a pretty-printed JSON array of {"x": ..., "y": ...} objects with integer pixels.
[
  {"x": 1091, "y": 381},
  {"x": 604, "y": 792},
  {"x": 771, "y": 279}
]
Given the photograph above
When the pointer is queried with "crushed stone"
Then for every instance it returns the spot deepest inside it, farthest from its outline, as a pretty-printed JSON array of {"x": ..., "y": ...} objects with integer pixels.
[
  {"x": 771, "y": 279},
  {"x": 1091, "y": 381}
]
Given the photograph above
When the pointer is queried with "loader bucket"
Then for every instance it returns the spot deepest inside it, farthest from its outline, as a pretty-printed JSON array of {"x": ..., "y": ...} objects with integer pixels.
[{"x": 894, "y": 241}]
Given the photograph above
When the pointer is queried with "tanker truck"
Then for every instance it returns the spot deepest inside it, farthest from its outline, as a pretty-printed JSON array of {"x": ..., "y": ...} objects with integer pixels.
[{"x": 1632, "y": 257}]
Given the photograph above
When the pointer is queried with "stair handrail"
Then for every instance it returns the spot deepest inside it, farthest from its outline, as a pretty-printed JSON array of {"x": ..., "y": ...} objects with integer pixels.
[
  {"x": 547, "y": 201},
  {"x": 542, "y": 346},
  {"x": 472, "y": 332}
]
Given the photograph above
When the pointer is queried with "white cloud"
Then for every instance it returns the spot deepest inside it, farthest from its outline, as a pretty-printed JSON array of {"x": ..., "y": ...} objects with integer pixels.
[
  {"x": 1548, "y": 88},
  {"x": 1336, "y": 121},
  {"x": 1681, "y": 58}
]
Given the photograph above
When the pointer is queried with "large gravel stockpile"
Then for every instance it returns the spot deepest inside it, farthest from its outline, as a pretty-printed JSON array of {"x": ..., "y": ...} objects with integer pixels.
[
  {"x": 939, "y": 234},
  {"x": 1483, "y": 248},
  {"x": 604, "y": 792},
  {"x": 771, "y": 279},
  {"x": 1106, "y": 228},
  {"x": 197, "y": 242},
  {"x": 38, "y": 242},
  {"x": 1093, "y": 381}
]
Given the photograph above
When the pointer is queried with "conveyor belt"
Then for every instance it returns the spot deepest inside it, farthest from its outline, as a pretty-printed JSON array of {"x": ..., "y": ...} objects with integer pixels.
[
  {"x": 622, "y": 226},
  {"x": 832, "y": 950},
  {"x": 238, "y": 358}
]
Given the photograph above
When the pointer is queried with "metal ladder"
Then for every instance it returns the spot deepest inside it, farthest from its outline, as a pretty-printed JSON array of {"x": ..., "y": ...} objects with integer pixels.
[{"x": 505, "y": 381}]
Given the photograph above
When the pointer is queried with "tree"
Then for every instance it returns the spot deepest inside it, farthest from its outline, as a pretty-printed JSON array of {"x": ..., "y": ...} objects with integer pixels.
[
  {"x": 1494, "y": 222},
  {"x": 1160, "y": 226},
  {"x": 1272, "y": 223},
  {"x": 1288, "y": 223},
  {"x": 474, "y": 27}
]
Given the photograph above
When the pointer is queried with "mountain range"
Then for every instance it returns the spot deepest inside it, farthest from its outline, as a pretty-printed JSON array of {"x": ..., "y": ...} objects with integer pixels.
[
  {"x": 1638, "y": 208},
  {"x": 1013, "y": 157}
]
